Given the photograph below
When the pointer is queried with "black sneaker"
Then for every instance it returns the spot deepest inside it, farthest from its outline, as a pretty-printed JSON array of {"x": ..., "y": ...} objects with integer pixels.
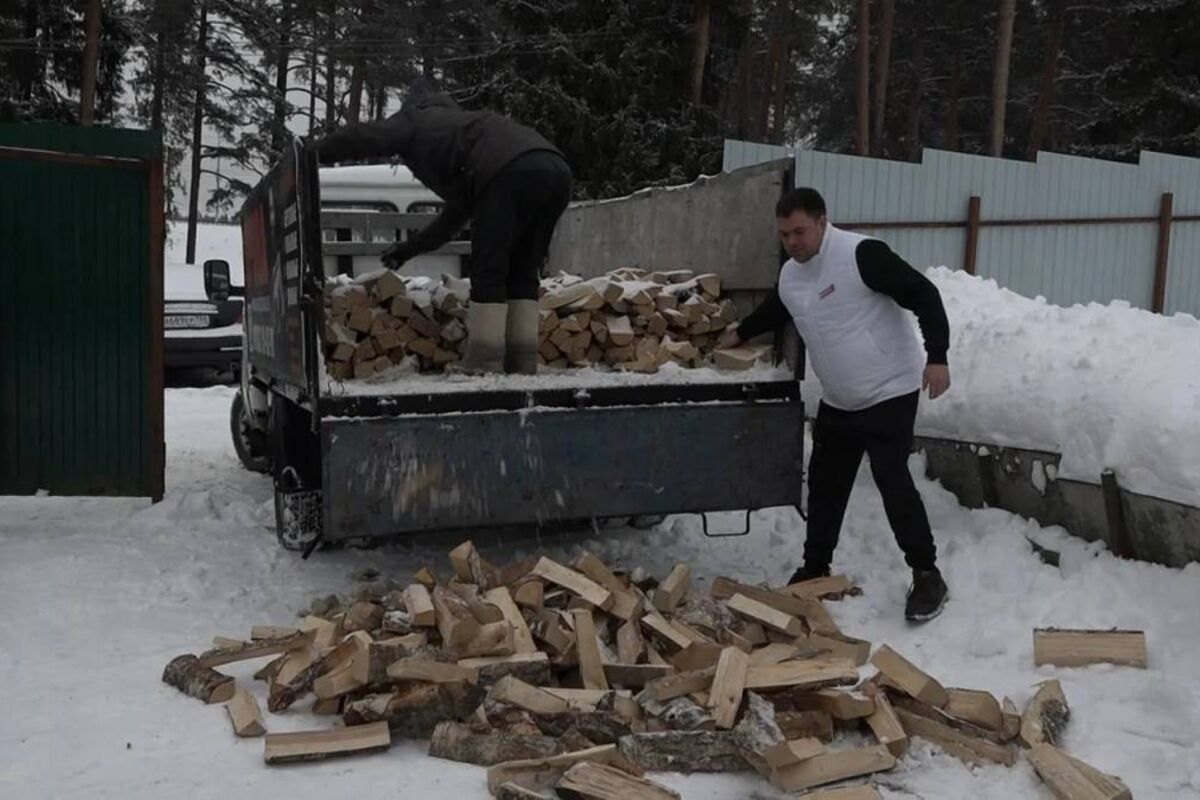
[
  {"x": 926, "y": 596},
  {"x": 807, "y": 573}
]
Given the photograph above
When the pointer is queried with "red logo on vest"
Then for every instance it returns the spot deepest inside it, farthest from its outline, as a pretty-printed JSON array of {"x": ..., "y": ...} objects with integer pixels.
[{"x": 828, "y": 290}]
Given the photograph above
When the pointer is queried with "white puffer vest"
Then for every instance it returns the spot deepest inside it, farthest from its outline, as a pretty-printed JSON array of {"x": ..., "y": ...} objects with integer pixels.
[{"x": 860, "y": 343}]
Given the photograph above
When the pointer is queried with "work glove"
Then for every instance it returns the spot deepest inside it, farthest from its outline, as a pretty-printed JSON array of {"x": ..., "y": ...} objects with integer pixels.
[{"x": 395, "y": 256}]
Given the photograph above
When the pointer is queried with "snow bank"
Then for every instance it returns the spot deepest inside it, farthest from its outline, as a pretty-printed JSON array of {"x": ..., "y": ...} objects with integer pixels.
[{"x": 1107, "y": 386}]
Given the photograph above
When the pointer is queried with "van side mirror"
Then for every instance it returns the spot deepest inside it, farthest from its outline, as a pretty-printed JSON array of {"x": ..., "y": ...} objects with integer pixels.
[{"x": 216, "y": 280}]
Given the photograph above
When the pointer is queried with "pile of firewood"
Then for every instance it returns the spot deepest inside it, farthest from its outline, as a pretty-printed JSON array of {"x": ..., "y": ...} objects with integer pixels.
[
  {"x": 579, "y": 680},
  {"x": 629, "y": 319}
]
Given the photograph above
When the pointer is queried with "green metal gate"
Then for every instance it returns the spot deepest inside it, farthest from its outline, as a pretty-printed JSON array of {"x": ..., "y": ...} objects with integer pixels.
[{"x": 81, "y": 305}]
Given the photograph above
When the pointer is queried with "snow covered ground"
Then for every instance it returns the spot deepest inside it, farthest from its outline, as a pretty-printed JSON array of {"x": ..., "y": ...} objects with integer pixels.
[{"x": 97, "y": 596}]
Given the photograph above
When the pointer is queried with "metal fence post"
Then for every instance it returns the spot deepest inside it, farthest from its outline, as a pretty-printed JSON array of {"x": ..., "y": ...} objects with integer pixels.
[
  {"x": 972, "y": 235},
  {"x": 1165, "y": 210}
]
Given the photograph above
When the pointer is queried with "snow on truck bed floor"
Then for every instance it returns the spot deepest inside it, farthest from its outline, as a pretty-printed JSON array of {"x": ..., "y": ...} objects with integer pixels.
[
  {"x": 97, "y": 595},
  {"x": 400, "y": 381}
]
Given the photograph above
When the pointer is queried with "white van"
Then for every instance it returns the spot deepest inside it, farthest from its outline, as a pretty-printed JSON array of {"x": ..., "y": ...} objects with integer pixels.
[{"x": 380, "y": 188}]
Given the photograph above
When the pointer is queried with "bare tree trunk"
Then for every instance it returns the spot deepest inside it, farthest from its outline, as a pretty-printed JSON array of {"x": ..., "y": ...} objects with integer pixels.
[
  {"x": 1008, "y": 13},
  {"x": 313, "y": 67},
  {"x": 700, "y": 33},
  {"x": 331, "y": 69},
  {"x": 914, "y": 106},
  {"x": 197, "y": 130},
  {"x": 160, "y": 65},
  {"x": 354, "y": 106},
  {"x": 91, "y": 54},
  {"x": 774, "y": 55},
  {"x": 950, "y": 132},
  {"x": 746, "y": 71},
  {"x": 883, "y": 57},
  {"x": 279, "y": 115},
  {"x": 862, "y": 136},
  {"x": 1049, "y": 84},
  {"x": 31, "y": 61},
  {"x": 380, "y": 101}
]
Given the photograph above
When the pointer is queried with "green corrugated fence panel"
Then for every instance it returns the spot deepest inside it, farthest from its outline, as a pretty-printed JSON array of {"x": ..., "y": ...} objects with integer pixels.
[{"x": 80, "y": 367}]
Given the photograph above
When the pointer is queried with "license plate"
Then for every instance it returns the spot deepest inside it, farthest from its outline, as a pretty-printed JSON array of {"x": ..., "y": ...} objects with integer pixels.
[{"x": 186, "y": 321}]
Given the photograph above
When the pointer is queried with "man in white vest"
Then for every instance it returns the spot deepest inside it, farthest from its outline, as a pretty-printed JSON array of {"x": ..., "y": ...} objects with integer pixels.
[{"x": 847, "y": 295}]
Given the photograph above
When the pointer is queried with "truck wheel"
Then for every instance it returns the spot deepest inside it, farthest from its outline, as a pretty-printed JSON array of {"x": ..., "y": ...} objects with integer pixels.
[{"x": 249, "y": 442}]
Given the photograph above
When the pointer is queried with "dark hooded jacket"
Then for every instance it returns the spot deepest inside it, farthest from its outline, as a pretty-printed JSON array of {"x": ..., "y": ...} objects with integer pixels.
[{"x": 455, "y": 153}]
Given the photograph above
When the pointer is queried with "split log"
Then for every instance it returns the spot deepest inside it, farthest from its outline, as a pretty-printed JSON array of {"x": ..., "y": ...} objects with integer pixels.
[
  {"x": 192, "y": 677},
  {"x": 635, "y": 675},
  {"x": 1011, "y": 719},
  {"x": 626, "y": 605},
  {"x": 671, "y": 591},
  {"x": 602, "y": 726},
  {"x": 516, "y": 692},
  {"x": 511, "y": 791},
  {"x": 470, "y": 567},
  {"x": 426, "y": 578},
  {"x": 601, "y": 782},
  {"x": 530, "y": 594},
  {"x": 840, "y": 705},
  {"x": 832, "y": 766},
  {"x": 684, "y": 751},
  {"x": 976, "y": 707},
  {"x": 729, "y": 682},
  {"x": 805, "y": 724},
  {"x": 678, "y": 685},
  {"x": 1078, "y": 648},
  {"x": 630, "y": 644},
  {"x": 522, "y": 638},
  {"x": 911, "y": 680},
  {"x": 245, "y": 715},
  {"x": 283, "y": 748},
  {"x": 411, "y": 711},
  {"x": 419, "y": 606},
  {"x": 862, "y": 792},
  {"x": 697, "y": 655},
  {"x": 841, "y": 646},
  {"x": 532, "y": 668},
  {"x": 272, "y": 632},
  {"x": 1046, "y": 716},
  {"x": 757, "y": 733},
  {"x": 325, "y": 633},
  {"x": 886, "y": 726},
  {"x": 770, "y": 617},
  {"x": 786, "y": 753},
  {"x": 417, "y": 668},
  {"x": 1072, "y": 779},
  {"x": 681, "y": 714},
  {"x": 966, "y": 742},
  {"x": 248, "y": 650},
  {"x": 590, "y": 666},
  {"x": 454, "y": 741},
  {"x": 814, "y": 674},
  {"x": 363, "y": 617},
  {"x": 541, "y": 774},
  {"x": 574, "y": 582}
]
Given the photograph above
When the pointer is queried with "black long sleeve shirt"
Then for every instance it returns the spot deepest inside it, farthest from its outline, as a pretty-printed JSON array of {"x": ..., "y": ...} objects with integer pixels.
[{"x": 885, "y": 272}]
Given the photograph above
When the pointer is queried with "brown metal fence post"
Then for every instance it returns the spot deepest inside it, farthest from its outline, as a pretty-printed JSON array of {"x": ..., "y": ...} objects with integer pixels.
[
  {"x": 1166, "y": 205},
  {"x": 972, "y": 235}
]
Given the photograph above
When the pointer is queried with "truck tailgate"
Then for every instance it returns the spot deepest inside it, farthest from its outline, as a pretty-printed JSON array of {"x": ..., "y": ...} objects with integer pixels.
[{"x": 563, "y": 457}]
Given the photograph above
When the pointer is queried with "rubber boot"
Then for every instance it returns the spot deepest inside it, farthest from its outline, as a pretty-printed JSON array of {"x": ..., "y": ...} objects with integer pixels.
[
  {"x": 521, "y": 350},
  {"x": 485, "y": 339}
]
